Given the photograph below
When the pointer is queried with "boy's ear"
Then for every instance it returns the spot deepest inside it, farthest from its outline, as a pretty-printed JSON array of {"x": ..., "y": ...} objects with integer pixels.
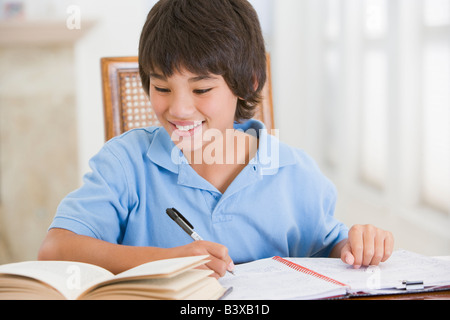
[
  {"x": 255, "y": 83},
  {"x": 255, "y": 86}
]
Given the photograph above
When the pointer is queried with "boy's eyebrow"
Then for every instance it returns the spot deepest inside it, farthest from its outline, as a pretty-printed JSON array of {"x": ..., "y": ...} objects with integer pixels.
[
  {"x": 203, "y": 77},
  {"x": 193, "y": 79}
]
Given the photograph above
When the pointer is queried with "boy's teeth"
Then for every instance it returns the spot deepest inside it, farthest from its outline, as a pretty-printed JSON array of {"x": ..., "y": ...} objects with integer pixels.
[{"x": 188, "y": 128}]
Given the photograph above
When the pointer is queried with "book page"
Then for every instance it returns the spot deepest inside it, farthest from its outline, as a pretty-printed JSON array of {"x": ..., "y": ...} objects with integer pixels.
[
  {"x": 151, "y": 288},
  {"x": 154, "y": 270},
  {"x": 69, "y": 278},
  {"x": 402, "y": 265},
  {"x": 268, "y": 279},
  {"x": 163, "y": 268}
]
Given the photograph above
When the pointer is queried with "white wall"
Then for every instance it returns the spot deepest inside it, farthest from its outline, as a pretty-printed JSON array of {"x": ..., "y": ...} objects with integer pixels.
[
  {"x": 294, "y": 51},
  {"x": 116, "y": 33}
]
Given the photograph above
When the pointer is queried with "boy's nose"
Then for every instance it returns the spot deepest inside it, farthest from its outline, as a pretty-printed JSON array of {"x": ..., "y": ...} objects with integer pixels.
[{"x": 181, "y": 107}]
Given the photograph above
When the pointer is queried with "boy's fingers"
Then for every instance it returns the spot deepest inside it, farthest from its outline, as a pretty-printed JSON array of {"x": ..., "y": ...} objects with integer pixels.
[
  {"x": 369, "y": 236},
  {"x": 368, "y": 246},
  {"x": 220, "y": 262},
  {"x": 218, "y": 266},
  {"x": 356, "y": 243},
  {"x": 380, "y": 244},
  {"x": 388, "y": 246},
  {"x": 346, "y": 255}
]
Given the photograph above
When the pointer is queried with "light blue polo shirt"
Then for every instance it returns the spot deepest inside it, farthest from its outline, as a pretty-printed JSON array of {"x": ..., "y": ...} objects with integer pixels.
[{"x": 279, "y": 205}]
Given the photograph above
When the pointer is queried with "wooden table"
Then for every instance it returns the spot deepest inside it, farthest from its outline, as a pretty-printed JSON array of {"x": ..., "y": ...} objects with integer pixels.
[{"x": 440, "y": 295}]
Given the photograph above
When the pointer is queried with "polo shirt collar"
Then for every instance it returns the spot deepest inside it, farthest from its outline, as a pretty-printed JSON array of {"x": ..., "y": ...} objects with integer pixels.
[
  {"x": 270, "y": 157},
  {"x": 162, "y": 149}
]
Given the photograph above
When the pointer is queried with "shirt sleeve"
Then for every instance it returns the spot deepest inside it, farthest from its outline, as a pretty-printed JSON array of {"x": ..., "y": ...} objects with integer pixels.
[
  {"x": 329, "y": 231},
  {"x": 316, "y": 198},
  {"x": 98, "y": 209}
]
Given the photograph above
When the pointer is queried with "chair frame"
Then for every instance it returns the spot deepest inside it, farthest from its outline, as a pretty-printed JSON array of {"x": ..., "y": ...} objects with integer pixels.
[{"x": 111, "y": 68}]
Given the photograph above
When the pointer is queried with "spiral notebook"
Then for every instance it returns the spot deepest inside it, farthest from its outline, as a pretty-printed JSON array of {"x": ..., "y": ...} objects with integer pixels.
[
  {"x": 308, "y": 272},
  {"x": 315, "y": 278},
  {"x": 280, "y": 279}
]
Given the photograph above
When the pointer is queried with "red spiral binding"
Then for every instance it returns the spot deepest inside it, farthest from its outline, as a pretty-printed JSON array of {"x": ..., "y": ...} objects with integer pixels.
[{"x": 307, "y": 271}]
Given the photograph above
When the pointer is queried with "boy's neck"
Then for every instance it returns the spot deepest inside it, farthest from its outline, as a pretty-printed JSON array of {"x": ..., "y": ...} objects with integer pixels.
[{"x": 222, "y": 160}]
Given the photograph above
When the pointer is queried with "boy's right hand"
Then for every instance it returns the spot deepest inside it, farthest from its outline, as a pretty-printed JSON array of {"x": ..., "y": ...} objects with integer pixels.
[{"x": 220, "y": 262}]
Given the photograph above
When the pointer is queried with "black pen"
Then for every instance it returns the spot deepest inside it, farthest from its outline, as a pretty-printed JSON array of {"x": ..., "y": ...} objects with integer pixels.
[
  {"x": 183, "y": 223},
  {"x": 176, "y": 216}
]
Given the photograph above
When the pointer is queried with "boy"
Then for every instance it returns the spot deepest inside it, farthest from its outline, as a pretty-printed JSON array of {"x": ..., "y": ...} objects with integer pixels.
[{"x": 203, "y": 65}]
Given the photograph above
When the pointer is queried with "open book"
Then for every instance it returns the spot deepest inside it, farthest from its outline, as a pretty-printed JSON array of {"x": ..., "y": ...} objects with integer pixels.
[
  {"x": 316, "y": 278},
  {"x": 173, "y": 279}
]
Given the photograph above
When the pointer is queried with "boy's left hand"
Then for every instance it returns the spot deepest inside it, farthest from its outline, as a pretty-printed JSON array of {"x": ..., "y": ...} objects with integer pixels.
[{"x": 366, "y": 246}]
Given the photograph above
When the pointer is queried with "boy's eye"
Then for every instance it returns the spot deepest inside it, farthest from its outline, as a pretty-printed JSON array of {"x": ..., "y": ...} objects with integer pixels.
[
  {"x": 163, "y": 90},
  {"x": 202, "y": 91}
]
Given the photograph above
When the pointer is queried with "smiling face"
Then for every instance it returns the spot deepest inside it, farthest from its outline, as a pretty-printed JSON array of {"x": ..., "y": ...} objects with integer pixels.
[
  {"x": 187, "y": 105},
  {"x": 206, "y": 38}
]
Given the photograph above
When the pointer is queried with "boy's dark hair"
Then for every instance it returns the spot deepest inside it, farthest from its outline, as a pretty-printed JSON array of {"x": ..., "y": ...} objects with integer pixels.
[{"x": 221, "y": 37}]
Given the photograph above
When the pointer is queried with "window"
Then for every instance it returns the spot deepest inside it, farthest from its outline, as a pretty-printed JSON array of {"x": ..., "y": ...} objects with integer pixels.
[
  {"x": 400, "y": 73},
  {"x": 370, "y": 82},
  {"x": 436, "y": 105}
]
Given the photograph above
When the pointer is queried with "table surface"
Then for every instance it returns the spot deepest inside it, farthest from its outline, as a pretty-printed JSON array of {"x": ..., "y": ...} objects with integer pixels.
[{"x": 441, "y": 295}]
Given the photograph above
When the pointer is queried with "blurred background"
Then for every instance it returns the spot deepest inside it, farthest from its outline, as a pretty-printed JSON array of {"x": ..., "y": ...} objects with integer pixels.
[{"x": 362, "y": 85}]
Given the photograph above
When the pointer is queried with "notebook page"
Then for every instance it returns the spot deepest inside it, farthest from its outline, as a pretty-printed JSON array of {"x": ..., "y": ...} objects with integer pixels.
[
  {"x": 268, "y": 279},
  {"x": 402, "y": 265}
]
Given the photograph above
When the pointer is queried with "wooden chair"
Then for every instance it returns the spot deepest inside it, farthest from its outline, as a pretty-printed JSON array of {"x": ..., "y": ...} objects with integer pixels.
[{"x": 126, "y": 106}]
